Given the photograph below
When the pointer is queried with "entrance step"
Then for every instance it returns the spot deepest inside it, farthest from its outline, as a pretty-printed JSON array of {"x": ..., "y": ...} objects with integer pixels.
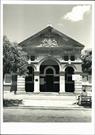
[
  {"x": 50, "y": 101},
  {"x": 44, "y": 97},
  {"x": 45, "y": 100},
  {"x": 40, "y": 96},
  {"x": 47, "y": 93}
]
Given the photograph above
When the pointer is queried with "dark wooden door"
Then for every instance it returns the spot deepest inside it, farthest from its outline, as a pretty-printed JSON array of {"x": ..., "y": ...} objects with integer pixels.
[
  {"x": 29, "y": 84},
  {"x": 49, "y": 83}
]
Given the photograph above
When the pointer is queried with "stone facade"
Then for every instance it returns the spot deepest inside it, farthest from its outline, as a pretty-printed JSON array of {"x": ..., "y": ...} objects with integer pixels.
[{"x": 54, "y": 63}]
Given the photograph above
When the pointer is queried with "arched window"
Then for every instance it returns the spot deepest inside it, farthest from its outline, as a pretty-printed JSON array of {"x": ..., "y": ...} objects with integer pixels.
[
  {"x": 32, "y": 58},
  {"x": 72, "y": 58},
  {"x": 49, "y": 71},
  {"x": 66, "y": 58},
  {"x": 30, "y": 70}
]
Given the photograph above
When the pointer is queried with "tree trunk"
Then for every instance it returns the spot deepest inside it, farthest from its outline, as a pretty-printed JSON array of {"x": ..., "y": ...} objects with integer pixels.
[{"x": 14, "y": 83}]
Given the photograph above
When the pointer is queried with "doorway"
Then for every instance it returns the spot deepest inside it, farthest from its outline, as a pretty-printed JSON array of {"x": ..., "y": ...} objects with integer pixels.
[
  {"x": 69, "y": 83},
  {"x": 29, "y": 80},
  {"x": 49, "y": 79},
  {"x": 49, "y": 76}
]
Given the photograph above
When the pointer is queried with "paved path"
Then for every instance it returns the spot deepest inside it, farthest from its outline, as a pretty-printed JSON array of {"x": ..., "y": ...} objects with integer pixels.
[
  {"x": 50, "y": 107},
  {"x": 46, "y": 115}
]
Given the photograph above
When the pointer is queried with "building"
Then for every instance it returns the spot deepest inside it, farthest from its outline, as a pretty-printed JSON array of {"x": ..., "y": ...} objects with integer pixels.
[{"x": 54, "y": 63}]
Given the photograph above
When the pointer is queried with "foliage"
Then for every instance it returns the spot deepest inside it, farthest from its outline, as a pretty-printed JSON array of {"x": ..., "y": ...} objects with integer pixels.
[
  {"x": 14, "y": 59},
  {"x": 11, "y": 102},
  {"x": 87, "y": 61}
]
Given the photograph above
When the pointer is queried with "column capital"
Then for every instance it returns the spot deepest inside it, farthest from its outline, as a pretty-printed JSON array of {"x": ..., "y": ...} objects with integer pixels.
[
  {"x": 80, "y": 73},
  {"x": 62, "y": 73},
  {"x": 36, "y": 73}
]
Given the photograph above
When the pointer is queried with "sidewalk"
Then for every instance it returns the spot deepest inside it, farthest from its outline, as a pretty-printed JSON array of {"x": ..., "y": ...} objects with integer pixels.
[
  {"x": 45, "y": 101},
  {"x": 45, "y": 108}
]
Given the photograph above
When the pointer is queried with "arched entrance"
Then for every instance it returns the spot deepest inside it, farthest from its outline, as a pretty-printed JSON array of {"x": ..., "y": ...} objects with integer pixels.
[
  {"x": 29, "y": 80},
  {"x": 49, "y": 79},
  {"x": 69, "y": 83},
  {"x": 49, "y": 76}
]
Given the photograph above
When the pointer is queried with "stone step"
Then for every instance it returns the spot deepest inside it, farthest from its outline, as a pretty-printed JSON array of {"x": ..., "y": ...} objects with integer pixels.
[
  {"x": 22, "y": 91},
  {"x": 65, "y": 98},
  {"x": 44, "y": 100},
  {"x": 29, "y": 96},
  {"x": 46, "y": 96},
  {"x": 49, "y": 103},
  {"x": 53, "y": 100}
]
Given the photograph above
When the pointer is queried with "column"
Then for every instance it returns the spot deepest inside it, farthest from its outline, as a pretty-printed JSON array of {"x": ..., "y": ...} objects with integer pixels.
[
  {"x": 62, "y": 82},
  {"x": 36, "y": 82}
]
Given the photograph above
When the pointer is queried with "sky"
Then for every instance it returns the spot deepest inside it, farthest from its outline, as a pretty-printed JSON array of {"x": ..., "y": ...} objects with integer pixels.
[{"x": 22, "y": 21}]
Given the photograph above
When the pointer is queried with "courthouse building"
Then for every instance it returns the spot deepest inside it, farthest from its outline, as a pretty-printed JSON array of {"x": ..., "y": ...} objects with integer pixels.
[{"x": 54, "y": 63}]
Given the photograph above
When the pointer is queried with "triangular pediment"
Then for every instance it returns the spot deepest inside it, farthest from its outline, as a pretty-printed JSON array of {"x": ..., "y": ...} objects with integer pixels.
[{"x": 50, "y": 37}]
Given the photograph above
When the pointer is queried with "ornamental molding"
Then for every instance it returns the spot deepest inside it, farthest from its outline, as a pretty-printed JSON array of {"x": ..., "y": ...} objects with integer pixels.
[{"x": 48, "y": 42}]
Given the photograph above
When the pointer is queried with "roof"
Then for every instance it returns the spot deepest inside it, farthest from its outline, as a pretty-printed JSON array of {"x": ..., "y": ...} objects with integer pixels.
[{"x": 62, "y": 39}]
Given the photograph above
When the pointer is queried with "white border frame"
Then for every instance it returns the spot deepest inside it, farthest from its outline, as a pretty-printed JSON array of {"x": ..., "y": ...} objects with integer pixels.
[{"x": 49, "y": 128}]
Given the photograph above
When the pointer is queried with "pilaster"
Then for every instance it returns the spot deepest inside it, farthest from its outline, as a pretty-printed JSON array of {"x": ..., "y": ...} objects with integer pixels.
[
  {"x": 78, "y": 82},
  {"x": 36, "y": 82},
  {"x": 62, "y": 82}
]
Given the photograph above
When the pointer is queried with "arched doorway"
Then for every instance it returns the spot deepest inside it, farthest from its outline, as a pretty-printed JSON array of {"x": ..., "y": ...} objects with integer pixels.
[
  {"x": 49, "y": 79},
  {"x": 49, "y": 76},
  {"x": 69, "y": 83},
  {"x": 29, "y": 79}
]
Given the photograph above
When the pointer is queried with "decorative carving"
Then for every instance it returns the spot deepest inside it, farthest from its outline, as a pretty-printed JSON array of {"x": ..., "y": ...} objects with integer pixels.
[{"x": 48, "y": 43}]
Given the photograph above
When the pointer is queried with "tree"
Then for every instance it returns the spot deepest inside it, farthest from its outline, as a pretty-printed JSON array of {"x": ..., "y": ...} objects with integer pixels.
[
  {"x": 87, "y": 61},
  {"x": 6, "y": 56},
  {"x": 14, "y": 60}
]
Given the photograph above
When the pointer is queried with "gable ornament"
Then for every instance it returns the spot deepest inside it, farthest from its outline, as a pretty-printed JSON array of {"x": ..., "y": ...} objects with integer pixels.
[{"x": 48, "y": 43}]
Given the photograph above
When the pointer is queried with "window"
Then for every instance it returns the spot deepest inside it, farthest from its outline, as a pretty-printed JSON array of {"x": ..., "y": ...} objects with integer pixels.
[
  {"x": 7, "y": 79},
  {"x": 30, "y": 70},
  {"x": 72, "y": 58},
  {"x": 32, "y": 58},
  {"x": 49, "y": 71},
  {"x": 66, "y": 58}
]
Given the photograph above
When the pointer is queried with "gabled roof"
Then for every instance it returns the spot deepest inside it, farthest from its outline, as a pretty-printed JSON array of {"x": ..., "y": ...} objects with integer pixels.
[{"x": 50, "y": 30}]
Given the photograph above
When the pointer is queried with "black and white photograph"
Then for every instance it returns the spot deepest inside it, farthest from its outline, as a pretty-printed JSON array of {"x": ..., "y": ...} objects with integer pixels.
[{"x": 47, "y": 70}]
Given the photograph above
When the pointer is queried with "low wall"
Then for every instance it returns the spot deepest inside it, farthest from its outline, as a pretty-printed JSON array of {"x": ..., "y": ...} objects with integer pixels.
[
  {"x": 6, "y": 87},
  {"x": 88, "y": 88}
]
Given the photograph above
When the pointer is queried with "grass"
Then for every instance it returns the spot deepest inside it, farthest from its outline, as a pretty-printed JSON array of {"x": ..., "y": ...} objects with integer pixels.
[{"x": 11, "y": 102}]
